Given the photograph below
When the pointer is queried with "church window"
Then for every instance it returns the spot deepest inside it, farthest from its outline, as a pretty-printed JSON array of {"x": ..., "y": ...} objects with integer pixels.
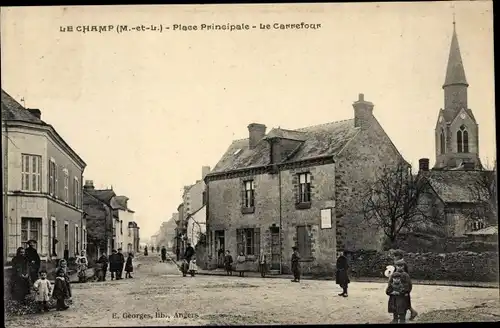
[
  {"x": 462, "y": 140},
  {"x": 442, "y": 142}
]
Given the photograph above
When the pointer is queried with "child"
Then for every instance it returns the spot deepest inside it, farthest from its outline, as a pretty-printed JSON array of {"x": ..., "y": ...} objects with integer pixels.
[
  {"x": 43, "y": 289},
  {"x": 184, "y": 267},
  {"x": 401, "y": 266},
  {"x": 129, "y": 267},
  {"x": 192, "y": 267},
  {"x": 61, "y": 291},
  {"x": 397, "y": 290},
  {"x": 228, "y": 263},
  {"x": 240, "y": 264},
  {"x": 63, "y": 265}
]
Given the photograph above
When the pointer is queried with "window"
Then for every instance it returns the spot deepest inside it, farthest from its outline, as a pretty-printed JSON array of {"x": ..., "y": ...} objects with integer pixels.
[
  {"x": 31, "y": 167},
  {"x": 66, "y": 235},
  {"x": 304, "y": 241},
  {"x": 76, "y": 193},
  {"x": 248, "y": 241},
  {"x": 77, "y": 240},
  {"x": 30, "y": 230},
  {"x": 249, "y": 197},
  {"x": 304, "y": 187},
  {"x": 462, "y": 140},
  {"x": 52, "y": 177},
  {"x": 53, "y": 236},
  {"x": 66, "y": 185},
  {"x": 442, "y": 142}
]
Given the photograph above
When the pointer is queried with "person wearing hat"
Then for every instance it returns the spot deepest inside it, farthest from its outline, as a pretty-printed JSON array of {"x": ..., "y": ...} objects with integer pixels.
[
  {"x": 119, "y": 264},
  {"x": 188, "y": 254},
  {"x": 33, "y": 261},
  {"x": 295, "y": 264},
  {"x": 113, "y": 264}
]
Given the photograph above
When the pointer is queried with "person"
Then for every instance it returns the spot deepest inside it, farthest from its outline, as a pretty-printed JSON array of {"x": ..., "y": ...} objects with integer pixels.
[
  {"x": 103, "y": 263},
  {"x": 146, "y": 250},
  {"x": 113, "y": 264},
  {"x": 152, "y": 249},
  {"x": 404, "y": 267},
  {"x": 157, "y": 249},
  {"x": 20, "y": 285},
  {"x": 61, "y": 292},
  {"x": 63, "y": 265},
  {"x": 228, "y": 263},
  {"x": 295, "y": 264},
  {"x": 163, "y": 254},
  {"x": 240, "y": 264},
  {"x": 192, "y": 266},
  {"x": 120, "y": 263},
  {"x": 33, "y": 261},
  {"x": 262, "y": 264},
  {"x": 129, "y": 267},
  {"x": 188, "y": 254},
  {"x": 341, "y": 274},
  {"x": 177, "y": 253},
  {"x": 398, "y": 292},
  {"x": 82, "y": 264},
  {"x": 42, "y": 289}
]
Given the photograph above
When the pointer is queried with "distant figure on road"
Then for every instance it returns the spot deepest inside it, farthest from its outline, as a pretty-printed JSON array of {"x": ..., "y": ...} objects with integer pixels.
[
  {"x": 240, "y": 264},
  {"x": 129, "y": 267},
  {"x": 188, "y": 254},
  {"x": 146, "y": 251},
  {"x": 228, "y": 263},
  {"x": 341, "y": 274},
  {"x": 157, "y": 249},
  {"x": 295, "y": 264},
  {"x": 177, "y": 253},
  {"x": 262, "y": 264},
  {"x": 163, "y": 254},
  {"x": 121, "y": 262},
  {"x": 33, "y": 261},
  {"x": 103, "y": 267},
  {"x": 152, "y": 249}
]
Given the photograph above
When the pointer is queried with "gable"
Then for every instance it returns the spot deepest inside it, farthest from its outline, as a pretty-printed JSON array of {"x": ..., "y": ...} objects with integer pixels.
[{"x": 320, "y": 140}]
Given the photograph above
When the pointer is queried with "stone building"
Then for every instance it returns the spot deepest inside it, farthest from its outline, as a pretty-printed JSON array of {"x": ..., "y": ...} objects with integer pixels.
[
  {"x": 298, "y": 187},
  {"x": 458, "y": 183},
  {"x": 42, "y": 185}
]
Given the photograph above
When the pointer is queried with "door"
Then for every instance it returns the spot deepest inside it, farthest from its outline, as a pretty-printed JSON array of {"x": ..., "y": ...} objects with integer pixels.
[
  {"x": 219, "y": 247},
  {"x": 275, "y": 248}
]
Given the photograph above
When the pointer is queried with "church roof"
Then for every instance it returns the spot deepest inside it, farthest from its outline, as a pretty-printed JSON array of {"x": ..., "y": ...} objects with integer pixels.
[
  {"x": 455, "y": 72},
  {"x": 319, "y": 140},
  {"x": 458, "y": 186}
]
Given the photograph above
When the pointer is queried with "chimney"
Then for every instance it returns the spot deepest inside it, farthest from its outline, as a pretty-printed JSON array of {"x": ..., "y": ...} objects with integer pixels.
[
  {"x": 204, "y": 171},
  {"x": 89, "y": 184},
  {"x": 363, "y": 112},
  {"x": 256, "y": 132},
  {"x": 35, "y": 112},
  {"x": 423, "y": 164}
]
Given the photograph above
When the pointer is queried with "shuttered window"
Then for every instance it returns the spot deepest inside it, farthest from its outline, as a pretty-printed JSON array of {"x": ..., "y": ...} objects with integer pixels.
[{"x": 304, "y": 241}]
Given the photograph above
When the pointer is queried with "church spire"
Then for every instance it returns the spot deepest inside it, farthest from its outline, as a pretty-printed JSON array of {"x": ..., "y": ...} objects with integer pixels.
[{"x": 455, "y": 72}]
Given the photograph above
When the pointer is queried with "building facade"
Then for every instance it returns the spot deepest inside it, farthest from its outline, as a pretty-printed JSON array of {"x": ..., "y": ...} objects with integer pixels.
[
  {"x": 124, "y": 231},
  {"x": 42, "y": 185},
  {"x": 298, "y": 187}
]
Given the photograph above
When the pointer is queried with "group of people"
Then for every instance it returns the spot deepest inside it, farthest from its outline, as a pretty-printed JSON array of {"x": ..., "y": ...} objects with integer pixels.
[{"x": 117, "y": 264}]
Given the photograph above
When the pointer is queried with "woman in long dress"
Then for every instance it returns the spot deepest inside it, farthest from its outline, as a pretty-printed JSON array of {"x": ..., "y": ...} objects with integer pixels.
[
  {"x": 341, "y": 275},
  {"x": 20, "y": 283},
  {"x": 82, "y": 264}
]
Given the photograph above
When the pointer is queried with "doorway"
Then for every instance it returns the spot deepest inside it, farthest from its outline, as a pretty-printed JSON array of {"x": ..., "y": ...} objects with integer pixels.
[
  {"x": 275, "y": 248},
  {"x": 219, "y": 247}
]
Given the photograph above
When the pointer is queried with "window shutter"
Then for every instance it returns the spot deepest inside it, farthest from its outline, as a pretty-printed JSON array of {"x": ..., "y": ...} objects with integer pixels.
[
  {"x": 243, "y": 203},
  {"x": 56, "y": 184},
  {"x": 239, "y": 241},
  {"x": 256, "y": 241}
]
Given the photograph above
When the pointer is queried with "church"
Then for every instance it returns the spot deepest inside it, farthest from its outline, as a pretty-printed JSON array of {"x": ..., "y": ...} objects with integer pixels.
[{"x": 461, "y": 186}]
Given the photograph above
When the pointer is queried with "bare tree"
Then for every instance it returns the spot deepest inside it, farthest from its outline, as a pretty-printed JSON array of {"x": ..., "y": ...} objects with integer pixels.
[
  {"x": 397, "y": 202},
  {"x": 483, "y": 193}
]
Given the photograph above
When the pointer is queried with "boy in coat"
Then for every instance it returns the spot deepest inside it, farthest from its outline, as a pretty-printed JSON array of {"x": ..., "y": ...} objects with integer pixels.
[
  {"x": 61, "y": 291},
  {"x": 398, "y": 291}
]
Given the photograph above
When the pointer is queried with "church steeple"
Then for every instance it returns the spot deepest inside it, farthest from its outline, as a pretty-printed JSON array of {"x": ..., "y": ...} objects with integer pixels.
[{"x": 455, "y": 84}]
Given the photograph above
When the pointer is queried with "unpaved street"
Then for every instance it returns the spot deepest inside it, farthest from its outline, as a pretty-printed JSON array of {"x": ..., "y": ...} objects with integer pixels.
[{"x": 159, "y": 295}]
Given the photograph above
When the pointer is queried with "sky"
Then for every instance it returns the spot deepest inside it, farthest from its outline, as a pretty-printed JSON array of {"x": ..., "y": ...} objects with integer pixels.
[{"x": 146, "y": 110}]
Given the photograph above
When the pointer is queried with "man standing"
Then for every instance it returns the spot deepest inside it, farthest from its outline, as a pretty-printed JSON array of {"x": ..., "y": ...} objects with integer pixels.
[
  {"x": 341, "y": 274},
  {"x": 33, "y": 261},
  {"x": 188, "y": 254},
  {"x": 295, "y": 264},
  {"x": 163, "y": 254},
  {"x": 177, "y": 253},
  {"x": 120, "y": 263},
  {"x": 113, "y": 261},
  {"x": 103, "y": 262}
]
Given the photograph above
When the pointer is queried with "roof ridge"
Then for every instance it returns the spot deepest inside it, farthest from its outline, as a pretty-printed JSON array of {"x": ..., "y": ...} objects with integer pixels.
[{"x": 324, "y": 124}]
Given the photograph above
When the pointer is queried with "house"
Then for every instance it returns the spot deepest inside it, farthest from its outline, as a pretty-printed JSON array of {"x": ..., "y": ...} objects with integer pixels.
[
  {"x": 42, "y": 186},
  {"x": 298, "y": 187},
  {"x": 99, "y": 210},
  {"x": 125, "y": 215},
  {"x": 135, "y": 235},
  {"x": 180, "y": 230},
  {"x": 458, "y": 183},
  {"x": 196, "y": 225},
  {"x": 193, "y": 197}
]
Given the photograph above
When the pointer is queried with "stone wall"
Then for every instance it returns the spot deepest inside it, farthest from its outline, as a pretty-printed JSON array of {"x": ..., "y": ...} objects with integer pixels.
[{"x": 458, "y": 266}]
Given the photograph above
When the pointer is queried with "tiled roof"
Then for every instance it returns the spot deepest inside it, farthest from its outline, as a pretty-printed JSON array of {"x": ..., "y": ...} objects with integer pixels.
[
  {"x": 457, "y": 186},
  {"x": 450, "y": 114},
  {"x": 12, "y": 110},
  {"x": 104, "y": 195},
  {"x": 488, "y": 231},
  {"x": 318, "y": 140}
]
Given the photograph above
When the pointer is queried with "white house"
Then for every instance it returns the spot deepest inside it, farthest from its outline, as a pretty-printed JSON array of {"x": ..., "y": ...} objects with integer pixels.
[
  {"x": 125, "y": 226},
  {"x": 196, "y": 224}
]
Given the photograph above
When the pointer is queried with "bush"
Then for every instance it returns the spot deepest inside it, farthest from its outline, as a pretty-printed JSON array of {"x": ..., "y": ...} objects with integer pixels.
[{"x": 478, "y": 246}]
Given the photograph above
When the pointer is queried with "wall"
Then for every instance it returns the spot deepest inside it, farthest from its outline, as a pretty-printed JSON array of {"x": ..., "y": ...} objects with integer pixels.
[
  {"x": 64, "y": 213},
  {"x": 357, "y": 168},
  {"x": 193, "y": 198},
  {"x": 196, "y": 224},
  {"x": 459, "y": 266},
  {"x": 128, "y": 233}
]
